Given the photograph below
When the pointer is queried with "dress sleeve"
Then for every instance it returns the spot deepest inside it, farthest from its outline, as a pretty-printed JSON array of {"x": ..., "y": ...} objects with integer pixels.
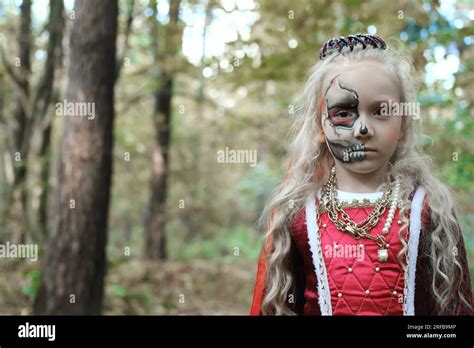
[
  {"x": 426, "y": 303},
  {"x": 259, "y": 288},
  {"x": 296, "y": 268}
]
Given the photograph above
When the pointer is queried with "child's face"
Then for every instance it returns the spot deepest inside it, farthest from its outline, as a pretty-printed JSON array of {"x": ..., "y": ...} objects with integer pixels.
[{"x": 358, "y": 134}]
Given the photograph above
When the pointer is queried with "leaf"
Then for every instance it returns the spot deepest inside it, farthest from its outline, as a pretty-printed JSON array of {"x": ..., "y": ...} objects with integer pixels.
[{"x": 118, "y": 290}]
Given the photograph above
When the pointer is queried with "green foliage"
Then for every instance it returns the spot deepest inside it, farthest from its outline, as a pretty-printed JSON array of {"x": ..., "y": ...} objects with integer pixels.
[
  {"x": 131, "y": 237},
  {"x": 118, "y": 290},
  {"x": 238, "y": 242},
  {"x": 34, "y": 282},
  {"x": 256, "y": 186},
  {"x": 135, "y": 300}
]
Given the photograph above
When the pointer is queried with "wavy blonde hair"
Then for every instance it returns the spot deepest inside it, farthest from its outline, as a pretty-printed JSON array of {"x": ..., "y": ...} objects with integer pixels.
[{"x": 310, "y": 162}]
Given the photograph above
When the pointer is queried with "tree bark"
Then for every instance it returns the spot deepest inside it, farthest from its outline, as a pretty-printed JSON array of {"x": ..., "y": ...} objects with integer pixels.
[
  {"x": 75, "y": 264},
  {"x": 155, "y": 242},
  {"x": 155, "y": 218},
  {"x": 43, "y": 100},
  {"x": 21, "y": 117}
]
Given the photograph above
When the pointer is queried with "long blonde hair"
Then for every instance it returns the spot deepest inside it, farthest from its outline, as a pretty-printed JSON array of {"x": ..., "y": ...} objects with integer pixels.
[{"x": 309, "y": 167}]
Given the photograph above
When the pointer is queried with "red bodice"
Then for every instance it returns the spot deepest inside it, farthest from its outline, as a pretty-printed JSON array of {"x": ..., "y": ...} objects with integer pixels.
[
  {"x": 359, "y": 283},
  {"x": 352, "y": 269}
]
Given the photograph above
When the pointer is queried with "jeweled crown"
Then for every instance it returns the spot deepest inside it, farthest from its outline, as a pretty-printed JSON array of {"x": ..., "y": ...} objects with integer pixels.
[{"x": 345, "y": 43}]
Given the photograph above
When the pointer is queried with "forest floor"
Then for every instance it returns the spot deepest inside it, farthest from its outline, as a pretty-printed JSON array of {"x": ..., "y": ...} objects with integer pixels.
[{"x": 138, "y": 287}]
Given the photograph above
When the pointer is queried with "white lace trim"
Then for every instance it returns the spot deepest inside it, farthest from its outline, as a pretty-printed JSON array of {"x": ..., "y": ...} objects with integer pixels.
[
  {"x": 350, "y": 196},
  {"x": 413, "y": 241},
  {"x": 324, "y": 295}
]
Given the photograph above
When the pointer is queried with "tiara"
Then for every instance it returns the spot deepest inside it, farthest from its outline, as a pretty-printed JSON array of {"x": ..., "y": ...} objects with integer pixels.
[{"x": 344, "y": 43}]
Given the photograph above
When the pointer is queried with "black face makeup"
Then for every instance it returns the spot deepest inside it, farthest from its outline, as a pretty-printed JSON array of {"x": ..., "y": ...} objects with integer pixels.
[
  {"x": 341, "y": 114},
  {"x": 342, "y": 105},
  {"x": 346, "y": 151}
]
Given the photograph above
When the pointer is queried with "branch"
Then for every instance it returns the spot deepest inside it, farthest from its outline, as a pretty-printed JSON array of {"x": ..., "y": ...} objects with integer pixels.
[
  {"x": 128, "y": 30},
  {"x": 16, "y": 79}
]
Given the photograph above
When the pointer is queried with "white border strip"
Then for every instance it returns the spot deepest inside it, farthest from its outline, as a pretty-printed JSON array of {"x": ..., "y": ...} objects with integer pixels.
[
  {"x": 413, "y": 241},
  {"x": 324, "y": 295}
]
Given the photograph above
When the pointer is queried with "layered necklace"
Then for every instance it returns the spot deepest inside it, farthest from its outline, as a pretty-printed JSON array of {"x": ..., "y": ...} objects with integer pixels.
[{"x": 362, "y": 229}]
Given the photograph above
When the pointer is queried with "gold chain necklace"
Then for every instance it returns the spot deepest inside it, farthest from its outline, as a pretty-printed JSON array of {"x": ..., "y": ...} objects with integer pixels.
[{"x": 361, "y": 229}]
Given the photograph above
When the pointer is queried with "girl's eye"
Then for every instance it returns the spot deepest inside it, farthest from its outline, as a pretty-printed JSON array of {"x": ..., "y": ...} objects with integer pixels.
[
  {"x": 343, "y": 114},
  {"x": 381, "y": 112},
  {"x": 343, "y": 118}
]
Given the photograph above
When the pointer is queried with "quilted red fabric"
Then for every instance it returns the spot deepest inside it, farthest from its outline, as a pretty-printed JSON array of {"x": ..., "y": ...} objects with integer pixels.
[
  {"x": 351, "y": 271},
  {"x": 359, "y": 283}
]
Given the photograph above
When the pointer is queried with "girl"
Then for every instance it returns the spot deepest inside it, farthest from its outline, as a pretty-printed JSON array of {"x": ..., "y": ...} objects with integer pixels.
[{"x": 361, "y": 225}]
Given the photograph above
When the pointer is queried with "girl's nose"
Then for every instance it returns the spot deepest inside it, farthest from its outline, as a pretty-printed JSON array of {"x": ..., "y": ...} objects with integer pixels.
[{"x": 362, "y": 129}]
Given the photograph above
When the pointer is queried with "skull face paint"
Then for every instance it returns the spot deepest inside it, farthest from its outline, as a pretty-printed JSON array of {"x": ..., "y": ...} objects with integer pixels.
[
  {"x": 341, "y": 114},
  {"x": 346, "y": 151},
  {"x": 342, "y": 108},
  {"x": 359, "y": 138}
]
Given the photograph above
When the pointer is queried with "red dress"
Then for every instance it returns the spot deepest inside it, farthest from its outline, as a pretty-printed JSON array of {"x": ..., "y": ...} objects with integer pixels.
[{"x": 348, "y": 279}]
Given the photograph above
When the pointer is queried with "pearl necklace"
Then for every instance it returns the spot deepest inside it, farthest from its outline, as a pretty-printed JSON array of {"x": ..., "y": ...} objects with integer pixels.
[{"x": 383, "y": 253}]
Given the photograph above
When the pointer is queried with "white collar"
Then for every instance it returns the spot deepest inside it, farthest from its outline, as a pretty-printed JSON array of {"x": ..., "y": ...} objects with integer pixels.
[{"x": 350, "y": 196}]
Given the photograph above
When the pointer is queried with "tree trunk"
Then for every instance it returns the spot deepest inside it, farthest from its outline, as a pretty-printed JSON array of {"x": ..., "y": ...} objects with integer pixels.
[
  {"x": 21, "y": 116},
  {"x": 155, "y": 218},
  {"x": 155, "y": 242},
  {"x": 3, "y": 162},
  {"x": 75, "y": 264},
  {"x": 43, "y": 100}
]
